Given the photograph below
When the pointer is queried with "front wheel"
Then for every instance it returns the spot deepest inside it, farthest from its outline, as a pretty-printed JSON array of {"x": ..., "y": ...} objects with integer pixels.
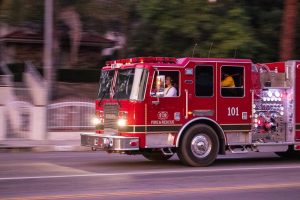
[{"x": 199, "y": 146}]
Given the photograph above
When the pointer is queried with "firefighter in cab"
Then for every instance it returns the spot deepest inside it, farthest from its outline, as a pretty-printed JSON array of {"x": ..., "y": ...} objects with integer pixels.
[
  {"x": 170, "y": 90},
  {"x": 227, "y": 81}
]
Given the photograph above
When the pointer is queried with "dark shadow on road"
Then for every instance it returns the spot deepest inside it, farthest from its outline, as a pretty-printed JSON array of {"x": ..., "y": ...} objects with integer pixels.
[
  {"x": 174, "y": 163},
  {"x": 99, "y": 162},
  {"x": 125, "y": 164},
  {"x": 254, "y": 161}
]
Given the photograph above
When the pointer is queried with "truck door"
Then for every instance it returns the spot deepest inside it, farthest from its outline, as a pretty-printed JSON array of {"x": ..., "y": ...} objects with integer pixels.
[
  {"x": 234, "y": 96},
  {"x": 203, "y": 101},
  {"x": 165, "y": 113}
]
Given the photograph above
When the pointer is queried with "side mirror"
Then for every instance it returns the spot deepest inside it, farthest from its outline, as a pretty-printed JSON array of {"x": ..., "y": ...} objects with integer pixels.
[
  {"x": 160, "y": 85},
  {"x": 159, "y": 89}
]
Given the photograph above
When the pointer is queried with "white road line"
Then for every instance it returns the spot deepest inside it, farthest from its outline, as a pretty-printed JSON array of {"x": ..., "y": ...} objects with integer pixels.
[{"x": 155, "y": 172}]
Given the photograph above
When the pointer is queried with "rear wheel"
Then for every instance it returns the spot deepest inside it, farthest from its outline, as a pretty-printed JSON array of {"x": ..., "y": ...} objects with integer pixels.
[
  {"x": 199, "y": 146},
  {"x": 156, "y": 156},
  {"x": 290, "y": 153}
]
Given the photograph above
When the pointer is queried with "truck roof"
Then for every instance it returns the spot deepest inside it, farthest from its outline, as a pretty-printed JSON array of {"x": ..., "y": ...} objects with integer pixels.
[
  {"x": 182, "y": 61},
  {"x": 169, "y": 61}
]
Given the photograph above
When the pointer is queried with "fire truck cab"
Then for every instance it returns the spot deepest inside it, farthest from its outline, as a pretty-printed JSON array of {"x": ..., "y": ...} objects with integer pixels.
[{"x": 197, "y": 108}]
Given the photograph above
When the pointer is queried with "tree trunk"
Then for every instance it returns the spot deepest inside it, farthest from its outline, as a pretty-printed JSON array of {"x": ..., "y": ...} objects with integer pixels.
[{"x": 289, "y": 19}]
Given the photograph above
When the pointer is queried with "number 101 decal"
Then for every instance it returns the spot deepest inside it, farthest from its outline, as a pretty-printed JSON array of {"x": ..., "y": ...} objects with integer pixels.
[{"x": 233, "y": 111}]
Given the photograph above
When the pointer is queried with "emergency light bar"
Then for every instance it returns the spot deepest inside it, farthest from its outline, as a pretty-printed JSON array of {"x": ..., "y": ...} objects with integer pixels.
[{"x": 143, "y": 60}]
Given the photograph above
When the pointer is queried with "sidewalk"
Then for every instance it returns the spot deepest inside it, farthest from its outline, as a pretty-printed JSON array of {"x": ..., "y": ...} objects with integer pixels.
[{"x": 23, "y": 145}]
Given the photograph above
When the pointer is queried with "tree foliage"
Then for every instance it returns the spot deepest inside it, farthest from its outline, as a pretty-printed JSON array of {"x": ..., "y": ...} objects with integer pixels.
[
  {"x": 19, "y": 12},
  {"x": 225, "y": 28},
  {"x": 222, "y": 29}
]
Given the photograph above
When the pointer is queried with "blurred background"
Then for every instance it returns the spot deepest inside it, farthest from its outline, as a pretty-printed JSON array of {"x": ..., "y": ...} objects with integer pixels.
[{"x": 51, "y": 51}]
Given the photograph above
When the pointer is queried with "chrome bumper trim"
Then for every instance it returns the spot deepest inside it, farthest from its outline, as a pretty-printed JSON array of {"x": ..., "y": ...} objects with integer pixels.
[{"x": 109, "y": 142}]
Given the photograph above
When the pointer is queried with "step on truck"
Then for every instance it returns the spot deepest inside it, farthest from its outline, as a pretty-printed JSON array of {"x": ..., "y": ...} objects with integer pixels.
[{"x": 196, "y": 108}]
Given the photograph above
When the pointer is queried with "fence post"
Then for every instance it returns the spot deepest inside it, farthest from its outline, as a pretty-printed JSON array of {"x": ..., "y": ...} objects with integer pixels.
[
  {"x": 5, "y": 97},
  {"x": 38, "y": 93},
  {"x": 3, "y": 127},
  {"x": 38, "y": 123}
]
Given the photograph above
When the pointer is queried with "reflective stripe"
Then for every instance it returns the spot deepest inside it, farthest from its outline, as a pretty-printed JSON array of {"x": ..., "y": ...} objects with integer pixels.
[
  {"x": 297, "y": 127},
  {"x": 150, "y": 128},
  {"x": 177, "y": 127},
  {"x": 236, "y": 127}
]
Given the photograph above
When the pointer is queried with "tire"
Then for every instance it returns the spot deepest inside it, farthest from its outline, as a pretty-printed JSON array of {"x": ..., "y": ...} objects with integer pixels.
[
  {"x": 290, "y": 153},
  {"x": 156, "y": 156},
  {"x": 199, "y": 146}
]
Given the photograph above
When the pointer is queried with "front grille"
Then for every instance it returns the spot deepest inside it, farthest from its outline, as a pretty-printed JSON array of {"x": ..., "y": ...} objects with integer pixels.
[{"x": 111, "y": 112}]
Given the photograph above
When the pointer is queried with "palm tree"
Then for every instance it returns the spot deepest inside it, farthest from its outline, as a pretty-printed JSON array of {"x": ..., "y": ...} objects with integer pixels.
[
  {"x": 289, "y": 18},
  {"x": 71, "y": 18}
]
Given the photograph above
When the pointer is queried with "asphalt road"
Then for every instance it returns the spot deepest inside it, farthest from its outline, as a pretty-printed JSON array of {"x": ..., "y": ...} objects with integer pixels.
[{"x": 97, "y": 175}]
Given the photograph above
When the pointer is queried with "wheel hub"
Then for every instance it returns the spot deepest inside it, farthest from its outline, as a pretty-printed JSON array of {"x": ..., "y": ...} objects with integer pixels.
[{"x": 201, "y": 145}]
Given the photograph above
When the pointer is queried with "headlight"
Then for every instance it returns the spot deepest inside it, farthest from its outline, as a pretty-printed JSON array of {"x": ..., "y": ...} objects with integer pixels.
[
  {"x": 96, "y": 121},
  {"x": 122, "y": 122}
]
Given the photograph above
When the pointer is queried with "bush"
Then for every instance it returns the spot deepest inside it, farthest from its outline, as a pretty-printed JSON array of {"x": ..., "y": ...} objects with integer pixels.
[
  {"x": 78, "y": 75},
  {"x": 63, "y": 75},
  {"x": 17, "y": 70}
]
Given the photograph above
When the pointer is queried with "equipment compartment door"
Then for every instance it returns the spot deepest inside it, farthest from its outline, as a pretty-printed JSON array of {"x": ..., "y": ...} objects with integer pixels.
[{"x": 297, "y": 95}]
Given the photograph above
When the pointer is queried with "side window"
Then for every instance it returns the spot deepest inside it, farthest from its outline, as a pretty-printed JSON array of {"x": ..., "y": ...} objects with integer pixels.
[
  {"x": 204, "y": 81},
  {"x": 232, "y": 83},
  {"x": 171, "y": 79}
]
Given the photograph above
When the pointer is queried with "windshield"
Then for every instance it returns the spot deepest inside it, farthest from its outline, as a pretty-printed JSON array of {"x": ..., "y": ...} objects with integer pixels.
[
  {"x": 131, "y": 84},
  {"x": 105, "y": 84}
]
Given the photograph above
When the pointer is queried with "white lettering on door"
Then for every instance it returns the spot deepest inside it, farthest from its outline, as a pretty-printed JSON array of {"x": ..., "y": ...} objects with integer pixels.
[{"x": 233, "y": 111}]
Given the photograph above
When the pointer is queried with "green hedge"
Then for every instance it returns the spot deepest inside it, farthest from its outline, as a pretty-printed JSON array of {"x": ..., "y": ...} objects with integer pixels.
[
  {"x": 63, "y": 75},
  {"x": 78, "y": 75},
  {"x": 17, "y": 70}
]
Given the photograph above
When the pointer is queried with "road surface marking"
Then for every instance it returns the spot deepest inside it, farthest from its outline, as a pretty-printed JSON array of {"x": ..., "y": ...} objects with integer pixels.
[
  {"x": 41, "y": 167},
  {"x": 155, "y": 172},
  {"x": 162, "y": 191}
]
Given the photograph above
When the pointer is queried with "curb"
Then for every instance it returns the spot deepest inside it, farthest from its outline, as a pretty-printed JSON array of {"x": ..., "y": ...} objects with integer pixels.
[
  {"x": 61, "y": 146},
  {"x": 8, "y": 149}
]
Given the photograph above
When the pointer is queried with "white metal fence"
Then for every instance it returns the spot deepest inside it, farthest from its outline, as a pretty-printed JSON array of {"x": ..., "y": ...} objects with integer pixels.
[
  {"x": 5, "y": 80},
  {"x": 63, "y": 116},
  {"x": 19, "y": 111},
  {"x": 70, "y": 116}
]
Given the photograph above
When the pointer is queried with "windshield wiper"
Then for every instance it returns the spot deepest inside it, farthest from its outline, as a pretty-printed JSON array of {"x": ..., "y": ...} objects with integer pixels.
[
  {"x": 117, "y": 98},
  {"x": 104, "y": 93}
]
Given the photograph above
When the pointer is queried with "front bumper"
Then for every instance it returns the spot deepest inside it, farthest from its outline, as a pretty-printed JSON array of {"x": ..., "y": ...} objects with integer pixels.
[{"x": 109, "y": 142}]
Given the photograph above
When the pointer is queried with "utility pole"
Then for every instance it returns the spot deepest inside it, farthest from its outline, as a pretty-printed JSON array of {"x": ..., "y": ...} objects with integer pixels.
[{"x": 48, "y": 47}]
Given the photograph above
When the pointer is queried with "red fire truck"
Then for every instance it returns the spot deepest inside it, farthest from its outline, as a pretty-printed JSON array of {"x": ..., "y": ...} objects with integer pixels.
[{"x": 217, "y": 106}]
